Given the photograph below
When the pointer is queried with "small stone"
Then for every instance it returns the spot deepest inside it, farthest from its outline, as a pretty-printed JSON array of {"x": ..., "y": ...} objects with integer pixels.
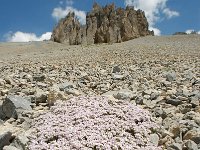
[
  {"x": 139, "y": 101},
  {"x": 74, "y": 92},
  {"x": 123, "y": 94},
  {"x": 184, "y": 108},
  {"x": 117, "y": 77},
  {"x": 194, "y": 102},
  {"x": 40, "y": 96},
  {"x": 175, "y": 146},
  {"x": 147, "y": 97},
  {"x": 191, "y": 145},
  {"x": 38, "y": 77},
  {"x": 147, "y": 92},
  {"x": 4, "y": 92},
  {"x": 42, "y": 85},
  {"x": 159, "y": 112},
  {"x": 175, "y": 130},
  {"x": 116, "y": 69},
  {"x": 2, "y": 82},
  {"x": 154, "y": 138},
  {"x": 171, "y": 76},
  {"x": 154, "y": 95},
  {"x": 66, "y": 85},
  {"x": 192, "y": 135},
  {"x": 9, "y": 80},
  {"x": 174, "y": 102}
]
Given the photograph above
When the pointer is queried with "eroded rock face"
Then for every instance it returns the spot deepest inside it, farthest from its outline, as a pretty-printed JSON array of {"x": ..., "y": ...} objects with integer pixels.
[
  {"x": 68, "y": 31},
  {"x": 103, "y": 25}
]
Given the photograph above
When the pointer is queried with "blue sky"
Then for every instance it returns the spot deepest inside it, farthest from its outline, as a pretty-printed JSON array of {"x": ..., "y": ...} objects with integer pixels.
[{"x": 25, "y": 20}]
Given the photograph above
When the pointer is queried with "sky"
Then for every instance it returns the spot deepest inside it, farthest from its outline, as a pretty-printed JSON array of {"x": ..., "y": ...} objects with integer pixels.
[{"x": 34, "y": 20}]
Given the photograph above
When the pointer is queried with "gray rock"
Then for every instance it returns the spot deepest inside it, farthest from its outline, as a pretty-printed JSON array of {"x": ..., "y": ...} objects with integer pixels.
[
  {"x": 154, "y": 138},
  {"x": 159, "y": 112},
  {"x": 175, "y": 146},
  {"x": 40, "y": 96},
  {"x": 116, "y": 69},
  {"x": 66, "y": 85},
  {"x": 13, "y": 103},
  {"x": 38, "y": 77},
  {"x": 184, "y": 108},
  {"x": 110, "y": 93},
  {"x": 41, "y": 85},
  {"x": 2, "y": 82},
  {"x": 5, "y": 138},
  {"x": 174, "y": 102},
  {"x": 147, "y": 92},
  {"x": 191, "y": 145},
  {"x": 123, "y": 94},
  {"x": 20, "y": 141},
  {"x": 117, "y": 76},
  {"x": 193, "y": 135},
  {"x": 10, "y": 148},
  {"x": 194, "y": 101},
  {"x": 171, "y": 76},
  {"x": 74, "y": 92},
  {"x": 9, "y": 80},
  {"x": 139, "y": 100},
  {"x": 154, "y": 95},
  {"x": 1, "y": 122},
  {"x": 2, "y": 115}
]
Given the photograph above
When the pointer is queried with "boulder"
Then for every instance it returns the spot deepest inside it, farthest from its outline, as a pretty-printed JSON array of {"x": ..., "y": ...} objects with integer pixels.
[
  {"x": 2, "y": 115},
  {"x": 5, "y": 138},
  {"x": 190, "y": 145},
  {"x": 10, "y": 148},
  {"x": 20, "y": 141},
  {"x": 13, "y": 105}
]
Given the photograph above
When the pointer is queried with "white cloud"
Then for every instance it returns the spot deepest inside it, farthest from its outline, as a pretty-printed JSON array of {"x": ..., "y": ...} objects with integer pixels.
[
  {"x": 59, "y": 13},
  {"x": 26, "y": 37},
  {"x": 156, "y": 31},
  {"x": 169, "y": 13},
  {"x": 153, "y": 10},
  {"x": 189, "y": 31}
]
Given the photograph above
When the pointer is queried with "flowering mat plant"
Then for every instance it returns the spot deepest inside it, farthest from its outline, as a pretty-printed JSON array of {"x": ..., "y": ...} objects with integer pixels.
[{"x": 93, "y": 123}]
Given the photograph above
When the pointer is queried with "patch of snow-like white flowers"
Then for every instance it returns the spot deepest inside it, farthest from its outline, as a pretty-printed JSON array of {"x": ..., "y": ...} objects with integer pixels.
[{"x": 93, "y": 123}]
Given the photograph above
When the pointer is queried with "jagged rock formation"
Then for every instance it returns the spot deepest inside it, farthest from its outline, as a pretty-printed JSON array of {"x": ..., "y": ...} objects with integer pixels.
[
  {"x": 68, "y": 30},
  {"x": 103, "y": 25}
]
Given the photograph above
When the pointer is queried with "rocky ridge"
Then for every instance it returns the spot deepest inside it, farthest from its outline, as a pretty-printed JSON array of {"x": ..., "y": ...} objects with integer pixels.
[
  {"x": 160, "y": 74},
  {"x": 103, "y": 25}
]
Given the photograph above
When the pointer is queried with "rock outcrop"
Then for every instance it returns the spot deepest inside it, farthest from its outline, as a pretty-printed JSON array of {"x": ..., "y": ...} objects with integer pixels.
[
  {"x": 103, "y": 25},
  {"x": 68, "y": 30}
]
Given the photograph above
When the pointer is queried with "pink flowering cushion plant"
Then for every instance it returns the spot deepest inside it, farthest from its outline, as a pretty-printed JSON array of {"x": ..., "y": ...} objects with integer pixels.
[{"x": 93, "y": 123}]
